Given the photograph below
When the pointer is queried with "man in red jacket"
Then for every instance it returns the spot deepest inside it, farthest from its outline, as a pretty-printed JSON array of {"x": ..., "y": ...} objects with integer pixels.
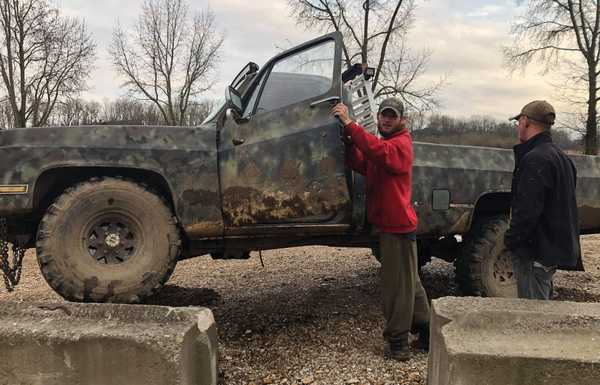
[{"x": 387, "y": 164}]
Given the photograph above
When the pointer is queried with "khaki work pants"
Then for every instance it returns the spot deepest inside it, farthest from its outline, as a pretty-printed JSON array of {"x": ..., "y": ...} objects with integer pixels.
[{"x": 404, "y": 299}]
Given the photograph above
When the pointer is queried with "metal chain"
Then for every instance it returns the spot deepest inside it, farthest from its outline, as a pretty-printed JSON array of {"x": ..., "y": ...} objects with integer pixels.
[{"x": 11, "y": 272}]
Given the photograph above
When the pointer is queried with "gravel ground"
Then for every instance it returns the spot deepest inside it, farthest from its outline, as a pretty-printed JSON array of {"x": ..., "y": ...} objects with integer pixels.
[{"x": 311, "y": 315}]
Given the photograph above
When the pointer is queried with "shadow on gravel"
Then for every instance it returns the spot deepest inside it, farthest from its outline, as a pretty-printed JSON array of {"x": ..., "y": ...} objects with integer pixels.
[
  {"x": 438, "y": 279},
  {"x": 290, "y": 309},
  {"x": 304, "y": 303},
  {"x": 177, "y": 296}
]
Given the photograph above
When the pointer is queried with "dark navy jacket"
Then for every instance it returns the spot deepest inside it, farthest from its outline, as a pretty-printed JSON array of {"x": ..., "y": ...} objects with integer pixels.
[{"x": 544, "y": 223}]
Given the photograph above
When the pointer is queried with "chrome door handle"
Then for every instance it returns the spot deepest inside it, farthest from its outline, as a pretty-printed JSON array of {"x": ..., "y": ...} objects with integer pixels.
[{"x": 330, "y": 100}]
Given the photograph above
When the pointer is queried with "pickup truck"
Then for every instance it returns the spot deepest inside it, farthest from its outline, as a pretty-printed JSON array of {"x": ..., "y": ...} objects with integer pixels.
[{"x": 111, "y": 209}]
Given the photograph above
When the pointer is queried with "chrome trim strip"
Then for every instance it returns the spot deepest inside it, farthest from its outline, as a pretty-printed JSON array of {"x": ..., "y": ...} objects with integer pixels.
[{"x": 14, "y": 189}]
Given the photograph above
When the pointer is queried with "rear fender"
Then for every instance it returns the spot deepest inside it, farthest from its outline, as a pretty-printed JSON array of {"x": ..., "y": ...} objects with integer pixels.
[{"x": 490, "y": 203}]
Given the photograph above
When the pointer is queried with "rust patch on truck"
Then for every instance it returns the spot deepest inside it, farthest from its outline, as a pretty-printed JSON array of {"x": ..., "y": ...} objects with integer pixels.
[
  {"x": 205, "y": 229},
  {"x": 248, "y": 206}
]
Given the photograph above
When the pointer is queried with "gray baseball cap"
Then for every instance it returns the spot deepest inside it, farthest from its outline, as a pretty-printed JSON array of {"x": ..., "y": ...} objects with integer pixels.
[{"x": 393, "y": 104}]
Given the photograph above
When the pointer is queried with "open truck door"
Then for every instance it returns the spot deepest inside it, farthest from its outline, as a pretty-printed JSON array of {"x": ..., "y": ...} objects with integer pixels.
[{"x": 281, "y": 160}]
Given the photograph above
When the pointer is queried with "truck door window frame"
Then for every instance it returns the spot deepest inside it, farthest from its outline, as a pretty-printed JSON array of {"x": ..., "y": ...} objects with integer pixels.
[
  {"x": 266, "y": 73},
  {"x": 254, "y": 96}
]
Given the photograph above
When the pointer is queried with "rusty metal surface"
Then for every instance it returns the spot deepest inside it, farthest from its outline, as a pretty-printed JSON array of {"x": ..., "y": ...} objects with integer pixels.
[
  {"x": 283, "y": 172},
  {"x": 204, "y": 229}
]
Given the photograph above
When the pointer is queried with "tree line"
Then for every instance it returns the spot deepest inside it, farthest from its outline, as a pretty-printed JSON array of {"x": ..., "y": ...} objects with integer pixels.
[
  {"x": 477, "y": 131},
  {"x": 124, "y": 111}
]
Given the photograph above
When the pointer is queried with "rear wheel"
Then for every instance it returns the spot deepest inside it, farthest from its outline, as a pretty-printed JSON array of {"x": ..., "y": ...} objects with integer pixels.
[
  {"x": 107, "y": 240},
  {"x": 485, "y": 267}
]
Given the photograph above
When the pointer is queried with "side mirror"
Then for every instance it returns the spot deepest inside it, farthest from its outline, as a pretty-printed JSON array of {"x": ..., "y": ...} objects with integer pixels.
[{"x": 234, "y": 101}]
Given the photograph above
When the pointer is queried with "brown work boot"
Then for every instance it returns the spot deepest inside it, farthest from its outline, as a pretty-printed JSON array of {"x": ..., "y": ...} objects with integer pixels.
[{"x": 398, "y": 348}]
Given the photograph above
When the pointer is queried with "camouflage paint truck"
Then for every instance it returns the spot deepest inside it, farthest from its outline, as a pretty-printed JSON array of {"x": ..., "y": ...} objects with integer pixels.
[{"x": 111, "y": 209}]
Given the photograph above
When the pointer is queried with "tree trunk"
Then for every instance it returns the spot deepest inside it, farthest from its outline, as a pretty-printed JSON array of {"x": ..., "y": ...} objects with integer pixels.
[
  {"x": 591, "y": 127},
  {"x": 19, "y": 119},
  {"x": 591, "y": 136},
  {"x": 365, "y": 48}
]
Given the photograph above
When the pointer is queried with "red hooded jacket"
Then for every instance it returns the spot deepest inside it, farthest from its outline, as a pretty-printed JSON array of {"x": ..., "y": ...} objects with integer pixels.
[{"x": 387, "y": 164}]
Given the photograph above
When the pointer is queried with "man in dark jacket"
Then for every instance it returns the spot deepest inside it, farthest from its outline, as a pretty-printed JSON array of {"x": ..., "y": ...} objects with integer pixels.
[
  {"x": 387, "y": 164},
  {"x": 544, "y": 229}
]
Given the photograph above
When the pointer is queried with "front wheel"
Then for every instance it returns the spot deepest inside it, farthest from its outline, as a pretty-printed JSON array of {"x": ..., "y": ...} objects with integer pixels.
[
  {"x": 485, "y": 267},
  {"x": 107, "y": 240}
]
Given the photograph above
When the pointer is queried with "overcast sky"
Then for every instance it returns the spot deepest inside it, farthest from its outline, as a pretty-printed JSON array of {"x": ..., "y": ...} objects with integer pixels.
[{"x": 465, "y": 36}]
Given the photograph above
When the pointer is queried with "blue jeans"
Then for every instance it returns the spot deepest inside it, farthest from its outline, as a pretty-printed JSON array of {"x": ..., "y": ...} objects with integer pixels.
[{"x": 534, "y": 280}]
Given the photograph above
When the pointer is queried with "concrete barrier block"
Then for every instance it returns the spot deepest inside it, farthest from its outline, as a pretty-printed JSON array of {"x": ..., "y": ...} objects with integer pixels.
[
  {"x": 504, "y": 341},
  {"x": 101, "y": 344}
]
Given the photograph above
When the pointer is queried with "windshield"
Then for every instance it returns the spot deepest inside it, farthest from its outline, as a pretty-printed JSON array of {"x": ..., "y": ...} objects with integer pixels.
[{"x": 213, "y": 114}]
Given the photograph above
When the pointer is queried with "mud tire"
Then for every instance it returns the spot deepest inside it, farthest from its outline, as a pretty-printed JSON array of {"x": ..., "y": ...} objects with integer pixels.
[
  {"x": 74, "y": 272},
  {"x": 485, "y": 268}
]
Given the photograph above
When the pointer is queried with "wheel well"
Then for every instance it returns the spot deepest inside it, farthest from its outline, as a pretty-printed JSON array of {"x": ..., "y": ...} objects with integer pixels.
[
  {"x": 491, "y": 204},
  {"x": 52, "y": 183}
]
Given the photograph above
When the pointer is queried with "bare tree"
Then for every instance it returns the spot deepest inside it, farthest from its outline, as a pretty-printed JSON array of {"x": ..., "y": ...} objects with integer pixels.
[
  {"x": 6, "y": 115},
  {"x": 200, "y": 111},
  {"x": 127, "y": 110},
  {"x": 75, "y": 112},
  {"x": 375, "y": 33},
  {"x": 44, "y": 58},
  {"x": 169, "y": 58},
  {"x": 131, "y": 111},
  {"x": 558, "y": 33}
]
